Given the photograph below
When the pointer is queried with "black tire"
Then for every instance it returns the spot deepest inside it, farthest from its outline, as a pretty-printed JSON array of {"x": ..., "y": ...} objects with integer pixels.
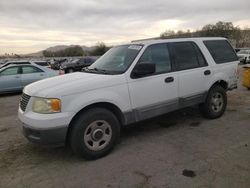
[
  {"x": 81, "y": 127},
  {"x": 208, "y": 109},
  {"x": 66, "y": 71}
]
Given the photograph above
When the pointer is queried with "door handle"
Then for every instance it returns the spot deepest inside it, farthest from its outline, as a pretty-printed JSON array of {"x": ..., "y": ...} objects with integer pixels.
[
  {"x": 169, "y": 79},
  {"x": 17, "y": 76},
  {"x": 207, "y": 72}
]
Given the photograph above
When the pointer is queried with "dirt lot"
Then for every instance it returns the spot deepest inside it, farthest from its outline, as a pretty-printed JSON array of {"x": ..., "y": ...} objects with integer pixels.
[{"x": 152, "y": 154}]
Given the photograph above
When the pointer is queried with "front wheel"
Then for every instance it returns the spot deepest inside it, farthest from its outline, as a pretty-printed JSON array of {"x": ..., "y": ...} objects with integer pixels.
[
  {"x": 215, "y": 104},
  {"x": 94, "y": 133}
]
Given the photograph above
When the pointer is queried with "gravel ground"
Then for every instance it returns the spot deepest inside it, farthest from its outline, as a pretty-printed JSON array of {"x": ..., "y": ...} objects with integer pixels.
[{"x": 180, "y": 149}]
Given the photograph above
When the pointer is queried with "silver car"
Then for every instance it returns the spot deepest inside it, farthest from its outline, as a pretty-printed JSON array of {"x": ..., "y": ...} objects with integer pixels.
[{"x": 15, "y": 77}]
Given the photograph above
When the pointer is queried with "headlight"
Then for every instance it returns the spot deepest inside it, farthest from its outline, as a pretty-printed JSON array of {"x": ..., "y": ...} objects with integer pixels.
[{"x": 46, "y": 106}]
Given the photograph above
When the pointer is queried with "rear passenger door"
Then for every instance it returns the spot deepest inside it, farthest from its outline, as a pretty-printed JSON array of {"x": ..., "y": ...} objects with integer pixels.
[
  {"x": 192, "y": 70},
  {"x": 31, "y": 74}
]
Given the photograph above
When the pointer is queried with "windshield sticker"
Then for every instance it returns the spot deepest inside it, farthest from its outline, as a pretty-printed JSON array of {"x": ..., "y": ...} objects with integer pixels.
[{"x": 134, "y": 47}]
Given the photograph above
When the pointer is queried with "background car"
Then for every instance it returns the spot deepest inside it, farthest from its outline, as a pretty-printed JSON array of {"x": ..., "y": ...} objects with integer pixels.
[
  {"x": 244, "y": 56},
  {"x": 78, "y": 64},
  {"x": 56, "y": 63},
  {"x": 14, "y": 78}
]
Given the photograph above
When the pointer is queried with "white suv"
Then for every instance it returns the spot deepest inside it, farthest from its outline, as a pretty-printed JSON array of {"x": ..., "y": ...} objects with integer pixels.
[{"x": 128, "y": 84}]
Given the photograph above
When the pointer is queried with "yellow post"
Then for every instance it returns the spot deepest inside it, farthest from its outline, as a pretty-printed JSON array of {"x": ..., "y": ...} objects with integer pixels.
[{"x": 246, "y": 77}]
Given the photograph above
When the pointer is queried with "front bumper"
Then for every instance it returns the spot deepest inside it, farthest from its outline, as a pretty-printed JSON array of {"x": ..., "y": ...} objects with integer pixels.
[
  {"x": 52, "y": 137},
  {"x": 45, "y": 129}
]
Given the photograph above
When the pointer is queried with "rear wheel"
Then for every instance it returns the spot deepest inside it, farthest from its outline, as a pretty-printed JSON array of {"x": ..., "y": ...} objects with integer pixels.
[
  {"x": 215, "y": 104},
  {"x": 94, "y": 133}
]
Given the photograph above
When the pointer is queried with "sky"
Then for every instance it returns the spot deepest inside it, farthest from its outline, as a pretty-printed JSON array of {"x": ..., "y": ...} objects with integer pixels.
[{"x": 32, "y": 25}]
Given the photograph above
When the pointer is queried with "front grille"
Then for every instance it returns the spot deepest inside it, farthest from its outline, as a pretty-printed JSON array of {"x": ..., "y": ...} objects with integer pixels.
[{"x": 24, "y": 101}]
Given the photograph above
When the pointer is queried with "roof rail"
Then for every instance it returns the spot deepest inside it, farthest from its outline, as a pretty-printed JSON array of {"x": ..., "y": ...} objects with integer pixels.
[{"x": 140, "y": 40}]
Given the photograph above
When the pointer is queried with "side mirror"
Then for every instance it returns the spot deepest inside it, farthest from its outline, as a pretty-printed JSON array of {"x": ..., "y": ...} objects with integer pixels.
[{"x": 143, "y": 69}]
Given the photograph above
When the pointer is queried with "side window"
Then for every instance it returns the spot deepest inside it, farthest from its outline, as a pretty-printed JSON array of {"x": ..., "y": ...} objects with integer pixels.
[
  {"x": 159, "y": 55},
  {"x": 10, "y": 71},
  {"x": 82, "y": 61},
  {"x": 30, "y": 69},
  {"x": 185, "y": 55},
  {"x": 221, "y": 51},
  {"x": 200, "y": 56},
  {"x": 87, "y": 60}
]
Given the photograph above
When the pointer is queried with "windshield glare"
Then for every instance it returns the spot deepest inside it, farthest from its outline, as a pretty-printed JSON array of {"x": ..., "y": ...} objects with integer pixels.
[{"x": 117, "y": 59}]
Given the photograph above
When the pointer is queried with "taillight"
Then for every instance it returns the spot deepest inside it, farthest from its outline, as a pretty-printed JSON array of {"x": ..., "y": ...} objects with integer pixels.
[
  {"x": 61, "y": 72},
  {"x": 237, "y": 73}
]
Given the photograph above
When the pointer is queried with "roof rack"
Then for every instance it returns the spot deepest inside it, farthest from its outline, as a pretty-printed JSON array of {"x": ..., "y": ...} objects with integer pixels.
[{"x": 140, "y": 40}]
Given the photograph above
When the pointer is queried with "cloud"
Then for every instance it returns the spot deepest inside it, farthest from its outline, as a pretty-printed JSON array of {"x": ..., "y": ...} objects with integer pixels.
[{"x": 42, "y": 23}]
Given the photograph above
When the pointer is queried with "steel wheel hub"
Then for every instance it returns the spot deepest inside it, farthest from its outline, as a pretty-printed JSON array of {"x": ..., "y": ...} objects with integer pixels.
[
  {"x": 217, "y": 102},
  {"x": 97, "y": 135}
]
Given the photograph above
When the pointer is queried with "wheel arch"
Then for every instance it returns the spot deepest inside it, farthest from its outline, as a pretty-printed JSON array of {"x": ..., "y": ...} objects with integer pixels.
[
  {"x": 222, "y": 83},
  {"x": 106, "y": 105}
]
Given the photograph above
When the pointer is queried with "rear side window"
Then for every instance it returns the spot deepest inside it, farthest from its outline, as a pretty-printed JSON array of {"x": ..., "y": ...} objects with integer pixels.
[
  {"x": 30, "y": 69},
  {"x": 200, "y": 56},
  {"x": 221, "y": 51},
  {"x": 187, "y": 55}
]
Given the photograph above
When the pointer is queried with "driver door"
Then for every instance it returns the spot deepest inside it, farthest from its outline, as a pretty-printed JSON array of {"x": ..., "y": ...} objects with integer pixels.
[{"x": 155, "y": 94}]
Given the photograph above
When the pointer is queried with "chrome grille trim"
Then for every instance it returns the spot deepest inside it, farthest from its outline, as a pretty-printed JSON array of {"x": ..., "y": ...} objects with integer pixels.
[{"x": 24, "y": 101}]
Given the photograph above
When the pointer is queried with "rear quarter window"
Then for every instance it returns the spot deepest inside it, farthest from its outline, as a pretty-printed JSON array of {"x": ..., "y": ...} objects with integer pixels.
[{"x": 221, "y": 51}]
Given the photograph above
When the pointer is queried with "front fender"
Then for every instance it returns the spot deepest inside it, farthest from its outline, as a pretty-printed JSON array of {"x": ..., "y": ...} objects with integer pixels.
[{"x": 117, "y": 95}]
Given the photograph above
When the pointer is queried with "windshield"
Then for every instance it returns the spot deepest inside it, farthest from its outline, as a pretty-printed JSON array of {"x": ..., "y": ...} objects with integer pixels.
[
  {"x": 117, "y": 60},
  {"x": 243, "y": 52}
]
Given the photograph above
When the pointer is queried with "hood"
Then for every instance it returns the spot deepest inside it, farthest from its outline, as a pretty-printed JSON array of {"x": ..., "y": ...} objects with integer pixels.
[{"x": 72, "y": 83}]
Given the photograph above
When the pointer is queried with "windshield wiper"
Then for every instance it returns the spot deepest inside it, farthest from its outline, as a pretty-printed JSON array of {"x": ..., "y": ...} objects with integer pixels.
[{"x": 95, "y": 70}]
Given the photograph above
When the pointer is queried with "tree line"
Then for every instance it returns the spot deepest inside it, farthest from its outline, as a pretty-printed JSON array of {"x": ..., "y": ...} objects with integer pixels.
[
  {"x": 77, "y": 50},
  {"x": 237, "y": 36}
]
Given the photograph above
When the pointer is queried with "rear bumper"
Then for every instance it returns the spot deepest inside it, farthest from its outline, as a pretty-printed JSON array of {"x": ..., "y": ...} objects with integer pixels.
[{"x": 51, "y": 137}]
